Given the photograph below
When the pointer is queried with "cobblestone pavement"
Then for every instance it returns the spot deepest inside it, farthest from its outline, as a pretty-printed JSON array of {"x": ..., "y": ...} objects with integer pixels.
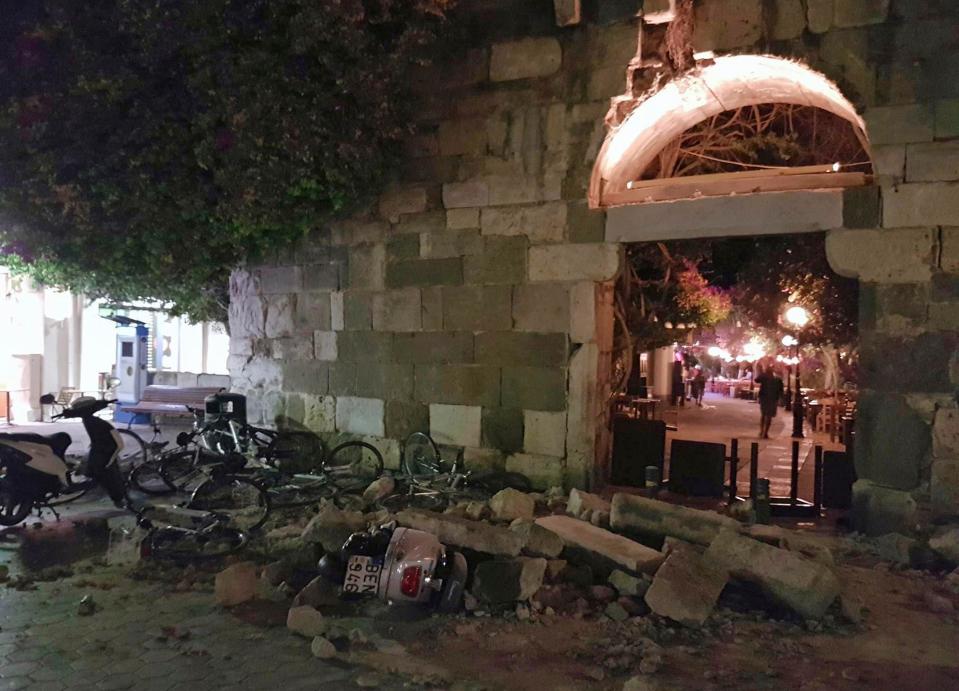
[{"x": 46, "y": 644}]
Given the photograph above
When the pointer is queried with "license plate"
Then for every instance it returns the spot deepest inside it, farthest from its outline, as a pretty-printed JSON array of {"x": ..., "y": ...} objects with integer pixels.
[{"x": 362, "y": 576}]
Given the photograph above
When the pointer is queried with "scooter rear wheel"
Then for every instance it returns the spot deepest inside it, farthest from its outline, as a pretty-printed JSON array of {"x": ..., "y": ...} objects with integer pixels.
[{"x": 13, "y": 507}]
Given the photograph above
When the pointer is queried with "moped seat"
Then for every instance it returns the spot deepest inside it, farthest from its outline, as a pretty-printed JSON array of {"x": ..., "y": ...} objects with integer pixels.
[{"x": 58, "y": 442}]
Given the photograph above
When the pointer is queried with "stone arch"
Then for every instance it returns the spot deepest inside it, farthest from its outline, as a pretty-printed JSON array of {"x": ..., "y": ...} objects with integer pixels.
[{"x": 723, "y": 84}]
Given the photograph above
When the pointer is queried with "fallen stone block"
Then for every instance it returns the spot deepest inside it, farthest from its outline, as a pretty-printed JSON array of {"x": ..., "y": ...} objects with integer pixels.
[
  {"x": 235, "y": 584},
  {"x": 895, "y": 547},
  {"x": 306, "y": 621},
  {"x": 331, "y": 526},
  {"x": 538, "y": 541},
  {"x": 317, "y": 593},
  {"x": 945, "y": 543},
  {"x": 509, "y": 504},
  {"x": 630, "y": 513},
  {"x": 602, "y": 546},
  {"x": 686, "y": 588},
  {"x": 628, "y": 585},
  {"x": 804, "y": 585},
  {"x": 580, "y": 503},
  {"x": 508, "y": 580},
  {"x": 461, "y": 532},
  {"x": 322, "y": 648},
  {"x": 379, "y": 489}
]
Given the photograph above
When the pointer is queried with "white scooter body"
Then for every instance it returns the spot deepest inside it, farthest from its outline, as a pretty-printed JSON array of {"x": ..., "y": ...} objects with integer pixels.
[{"x": 42, "y": 458}]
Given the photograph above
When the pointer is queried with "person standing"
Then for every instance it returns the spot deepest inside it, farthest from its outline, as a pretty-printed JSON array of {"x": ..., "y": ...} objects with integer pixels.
[
  {"x": 699, "y": 385},
  {"x": 770, "y": 391},
  {"x": 678, "y": 389}
]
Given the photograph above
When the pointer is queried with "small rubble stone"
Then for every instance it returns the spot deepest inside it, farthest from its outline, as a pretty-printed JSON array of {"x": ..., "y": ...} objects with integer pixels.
[
  {"x": 938, "y": 603},
  {"x": 87, "y": 606},
  {"x": 510, "y": 504},
  {"x": 322, "y": 648},
  {"x": 476, "y": 510},
  {"x": 461, "y": 532},
  {"x": 686, "y": 588},
  {"x": 852, "y": 609},
  {"x": 601, "y": 545},
  {"x": 582, "y": 504},
  {"x": 236, "y": 584},
  {"x": 626, "y": 584},
  {"x": 945, "y": 543},
  {"x": 804, "y": 585},
  {"x": 616, "y": 612},
  {"x": 306, "y": 621},
  {"x": 635, "y": 607},
  {"x": 317, "y": 593},
  {"x": 630, "y": 513},
  {"x": 539, "y": 542},
  {"x": 639, "y": 684},
  {"x": 555, "y": 567},
  {"x": 895, "y": 547},
  {"x": 380, "y": 488},
  {"x": 603, "y": 593},
  {"x": 332, "y": 526},
  {"x": 508, "y": 580}
]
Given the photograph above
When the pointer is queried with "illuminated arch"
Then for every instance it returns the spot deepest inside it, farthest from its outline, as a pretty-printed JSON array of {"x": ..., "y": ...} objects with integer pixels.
[{"x": 727, "y": 83}]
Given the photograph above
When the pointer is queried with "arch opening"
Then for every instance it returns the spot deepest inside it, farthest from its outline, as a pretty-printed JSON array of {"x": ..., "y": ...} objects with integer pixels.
[{"x": 740, "y": 124}]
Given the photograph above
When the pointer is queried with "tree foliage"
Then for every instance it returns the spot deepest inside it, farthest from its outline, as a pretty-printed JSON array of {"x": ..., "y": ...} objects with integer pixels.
[{"x": 149, "y": 146}]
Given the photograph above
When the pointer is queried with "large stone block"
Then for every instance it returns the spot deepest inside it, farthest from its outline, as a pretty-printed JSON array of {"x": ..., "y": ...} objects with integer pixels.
[
  {"x": 425, "y": 272},
  {"x": 477, "y": 308},
  {"x": 544, "y": 433},
  {"x": 543, "y": 471},
  {"x": 804, "y": 585},
  {"x": 461, "y": 195},
  {"x": 357, "y": 346},
  {"x": 357, "y": 310},
  {"x": 368, "y": 267},
  {"x": 518, "y": 348},
  {"x": 889, "y": 162},
  {"x": 582, "y": 312},
  {"x": 280, "y": 319},
  {"x": 524, "y": 59},
  {"x": 541, "y": 307},
  {"x": 819, "y": 15},
  {"x": 945, "y": 433},
  {"x": 313, "y": 312},
  {"x": 402, "y": 419},
  {"x": 440, "y": 348},
  {"x": 944, "y": 487},
  {"x": 319, "y": 413},
  {"x": 541, "y": 224},
  {"x": 503, "y": 429},
  {"x": 903, "y": 255},
  {"x": 305, "y": 376},
  {"x": 725, "y": 24},
  {"x": 324, "y": 345},
  {"x": 932, "y": 162},
  {"x": 360, "y": 415},
  {"x": 484, "y": 459},
  {"x": 900, "y": 124},
  {"x": 337, "y": 312},
  {"x": 432, "y": 309},
  {"x": 534, "y": 388},
  {"x": 457, "y": 384},
  {"x": 585, "y": 224},
  {"x": 402, "y": 200},
  {"x": 576, "y": 262},
  {"x": 457, "y": 425},
  {"x": 463, "y": 138},
  {"x": 405, "y": 246},
  {"x": 920, "y": 364},
  {"x": 321, "y": 277},
  {"x": 567, "y": 12},
  {"x": 247, "y": 317},
  {"x": 278, "y": 280},
  {"x": 384, "y": 380},
  {"x": 686, "y": 587},
  {"x": 788, "y": 20},
  {"x": 455, "y": 243},
  {"x": 603, "y": 547},
  {"x": 649, "y": 517},
  {"x": 502, "y": 261},
  {"x": 507, "y": 190},
  {"x": 860, "y": 12},
  {"x": 879, "y": 510},
  {"x": 947, "y": 118},
  {"x": 861, "y": 207},
  {"x": 294, "y": 348},
  {"x": 891, "y": 441},
  {"x": 461, "y": 532},
  {"x": 398, "y": 310},
  {"x": 459, "y": 219}
]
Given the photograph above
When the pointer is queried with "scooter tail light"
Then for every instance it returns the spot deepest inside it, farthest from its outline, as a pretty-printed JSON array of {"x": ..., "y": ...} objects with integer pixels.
[{"x": 410, "y": 583}]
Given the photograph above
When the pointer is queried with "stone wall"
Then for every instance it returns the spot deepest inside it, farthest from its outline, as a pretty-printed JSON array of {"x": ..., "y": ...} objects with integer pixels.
[{"x": 473, "y": 298}]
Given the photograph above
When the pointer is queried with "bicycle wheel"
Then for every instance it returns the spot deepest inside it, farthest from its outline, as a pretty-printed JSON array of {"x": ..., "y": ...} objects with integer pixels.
[
  {"x": 133, "y": 453},
  {"x": 424, "y": 501},
  {"x": 147, "y": 478},
  {"x": 190, "y": 545},
  {"x": 242, "y": 502},
  {"x": 301, "y": 493},
  {"x": 420, "y": 455},
  {"x": 13, "y": 506},
  {"x": 180, "y": 469},
  {"x": 353, "y": 465}
]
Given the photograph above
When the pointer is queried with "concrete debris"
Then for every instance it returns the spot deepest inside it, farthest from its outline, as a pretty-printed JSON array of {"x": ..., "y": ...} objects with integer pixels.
[
  {"x": 599, "y": 518},
  {"x": 616, "y": 612},
  {"x": 806, "y": 586},
  {"x": 322, "y": 648},
  {"x": 945, "y": 543},
  {"x": 331, "y": 526},
  {"x": 606, "y": 549},
  {"x": 632, "y": 514},
  {"x": 538, "y": 541},
  {"x": 555, "y": 567},
  {"x": 476, "y": 510},
  {"x": 671, "y": 544},
  {"x": 852, "y": 609},
  {"x": 509, "y": 504},
  {"x": 236, "y": 584},
  {"x": 306, "y": 621},
  {"x": 895, "y": 547},
  {"x": 582, "y": 504},
  {"x": 461, "y": 532},
  {"x": 319, "y": 592},
  {"x": 380, "y": 488},
  {"x": 274, "y": 573},
  {"x": 628, "y": 585},
  {"x": 686, "y": 587},
  {"x": 508, "y": 580}
]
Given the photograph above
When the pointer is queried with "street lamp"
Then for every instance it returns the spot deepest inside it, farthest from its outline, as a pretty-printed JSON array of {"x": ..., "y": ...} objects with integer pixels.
[
  {"x": 798, "y": 317},
  {"x": 789, "y": 341}
]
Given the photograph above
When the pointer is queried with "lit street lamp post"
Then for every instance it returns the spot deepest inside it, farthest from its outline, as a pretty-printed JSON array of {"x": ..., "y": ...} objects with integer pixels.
[
  {"x": 798, "y": 317},
  {"x": 788, "y": 341}
]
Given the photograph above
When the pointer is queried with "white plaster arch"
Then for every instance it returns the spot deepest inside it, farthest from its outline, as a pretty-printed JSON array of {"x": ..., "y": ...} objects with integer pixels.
[{"x": 729, "y": 82}]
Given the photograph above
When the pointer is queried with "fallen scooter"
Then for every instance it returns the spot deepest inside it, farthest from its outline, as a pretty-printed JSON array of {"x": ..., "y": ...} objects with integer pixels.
[{"x": 399, "y": 566}]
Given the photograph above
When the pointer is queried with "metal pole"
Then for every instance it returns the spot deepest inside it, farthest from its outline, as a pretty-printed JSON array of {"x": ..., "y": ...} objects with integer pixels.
[
  {"x": 817, "y": 481},
  {"x": 753, "y": 469},
  {"x": 797, "y": 404},
  {"x": 733, "y": 470},
  {"x": 794, "y": 474}
]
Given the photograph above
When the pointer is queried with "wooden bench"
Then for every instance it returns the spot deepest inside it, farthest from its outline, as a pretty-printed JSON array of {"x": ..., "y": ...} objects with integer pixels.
[{"x": 171, "y": 400}]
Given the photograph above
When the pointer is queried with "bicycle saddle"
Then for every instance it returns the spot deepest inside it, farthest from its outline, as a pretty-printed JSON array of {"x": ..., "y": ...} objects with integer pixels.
[{"x": 58, "y": 442}]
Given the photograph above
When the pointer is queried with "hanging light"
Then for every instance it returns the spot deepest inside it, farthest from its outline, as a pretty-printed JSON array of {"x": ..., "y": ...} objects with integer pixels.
[{"x": 668, "y": 325}]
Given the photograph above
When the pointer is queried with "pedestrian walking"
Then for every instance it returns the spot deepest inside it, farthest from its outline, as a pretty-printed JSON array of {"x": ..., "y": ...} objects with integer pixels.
[{"x": 770, "y": 391}]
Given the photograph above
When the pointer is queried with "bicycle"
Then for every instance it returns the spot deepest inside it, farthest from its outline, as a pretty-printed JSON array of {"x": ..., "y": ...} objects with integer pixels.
[{"x": 432, "y": 483}]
